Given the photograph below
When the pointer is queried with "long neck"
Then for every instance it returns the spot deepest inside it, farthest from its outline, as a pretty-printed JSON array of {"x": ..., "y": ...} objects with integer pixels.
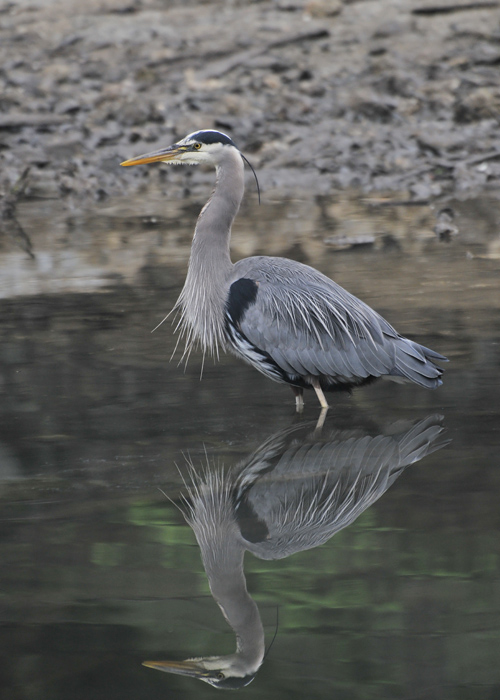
[
  {"x": 228, "y": 586},
  {"x": 222, "y": 550},
  {"x": 202, "y": 300}
]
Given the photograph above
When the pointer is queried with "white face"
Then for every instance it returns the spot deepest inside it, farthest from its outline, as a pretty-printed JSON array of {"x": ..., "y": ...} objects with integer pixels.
[{"x": 198, "y": 153}]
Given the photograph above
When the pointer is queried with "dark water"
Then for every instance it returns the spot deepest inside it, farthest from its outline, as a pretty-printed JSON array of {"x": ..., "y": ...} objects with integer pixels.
[{"x": 100, "y": 571}]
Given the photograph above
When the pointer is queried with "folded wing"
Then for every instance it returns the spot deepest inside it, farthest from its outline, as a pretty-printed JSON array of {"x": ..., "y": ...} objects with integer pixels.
[{"x": 310, "y": 326}]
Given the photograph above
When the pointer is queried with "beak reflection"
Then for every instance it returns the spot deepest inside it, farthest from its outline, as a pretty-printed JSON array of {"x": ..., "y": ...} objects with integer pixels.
[{"x": 182, "y": 668}]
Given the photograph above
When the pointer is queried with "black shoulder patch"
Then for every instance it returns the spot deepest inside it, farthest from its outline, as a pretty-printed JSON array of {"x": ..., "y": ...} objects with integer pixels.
[
  {"x": 251, "y": 528},
  {"x": 242, "y": 293},
  {"x": 212, "y": 136}
]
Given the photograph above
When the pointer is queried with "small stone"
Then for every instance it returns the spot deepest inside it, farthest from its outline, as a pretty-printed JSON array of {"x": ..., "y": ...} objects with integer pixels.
[
  {"x": 483, "y": 103},
  {"x": 344, "y": 242},
  {"x": 323, "y": 8},
  {"x": 445, "y": 230}
]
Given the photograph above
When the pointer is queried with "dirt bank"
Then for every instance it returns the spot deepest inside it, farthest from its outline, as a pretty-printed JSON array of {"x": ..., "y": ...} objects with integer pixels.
[{"x": 386, "y": 95}]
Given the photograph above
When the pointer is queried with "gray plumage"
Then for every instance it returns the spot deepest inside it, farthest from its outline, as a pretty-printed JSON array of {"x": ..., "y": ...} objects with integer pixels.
[
  {"x": 293, "y": 493},
  {"x": 289, "y": 321},
  {"x": 303, "y": 488}
]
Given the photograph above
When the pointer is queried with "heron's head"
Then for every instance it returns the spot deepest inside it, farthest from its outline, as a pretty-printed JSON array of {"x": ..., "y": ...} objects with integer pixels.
[
  {"x": 225, "y": 672},
  {"x": 201, "y": 147}
]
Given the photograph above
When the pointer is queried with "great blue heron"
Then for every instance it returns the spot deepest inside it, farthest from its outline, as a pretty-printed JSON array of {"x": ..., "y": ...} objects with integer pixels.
[
  {"x": 286, "y": 319},
  {"x": 293, "y": 493}
]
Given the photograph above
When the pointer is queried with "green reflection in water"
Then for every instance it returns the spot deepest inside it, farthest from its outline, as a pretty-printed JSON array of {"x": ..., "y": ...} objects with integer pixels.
[{"x": 107, "y": 554}]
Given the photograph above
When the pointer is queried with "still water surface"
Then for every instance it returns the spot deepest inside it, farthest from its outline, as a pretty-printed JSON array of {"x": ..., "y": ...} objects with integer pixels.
[{"x": 101, "y": 572}]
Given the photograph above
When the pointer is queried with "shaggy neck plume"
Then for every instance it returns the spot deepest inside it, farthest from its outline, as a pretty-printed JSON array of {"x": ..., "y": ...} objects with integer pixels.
[{"x": 202, "y": 300}]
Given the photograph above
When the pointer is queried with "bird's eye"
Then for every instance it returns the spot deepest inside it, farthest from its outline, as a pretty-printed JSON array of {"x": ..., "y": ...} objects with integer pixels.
[
  {"x": 220, "y": 676},
  {"x": 197, "y": 146}
]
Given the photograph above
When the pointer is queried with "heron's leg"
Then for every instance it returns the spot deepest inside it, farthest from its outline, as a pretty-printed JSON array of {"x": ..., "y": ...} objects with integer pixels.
[
  {"x": 321, "y": 422},
  {"x": 319, "y": 392},
  {"x": 299, "y": 398}
]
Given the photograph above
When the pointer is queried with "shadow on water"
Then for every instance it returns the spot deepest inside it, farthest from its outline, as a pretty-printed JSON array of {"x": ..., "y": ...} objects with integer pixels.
[{"x": 100, "y": 572}]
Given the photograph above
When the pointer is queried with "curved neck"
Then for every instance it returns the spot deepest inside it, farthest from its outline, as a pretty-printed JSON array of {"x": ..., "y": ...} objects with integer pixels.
[
  {"x": 228, "y": 586},
  {"x": 204, "y": 294},
  {"x": 217, "y": 216},
  {"x": 222, "y": 551}
]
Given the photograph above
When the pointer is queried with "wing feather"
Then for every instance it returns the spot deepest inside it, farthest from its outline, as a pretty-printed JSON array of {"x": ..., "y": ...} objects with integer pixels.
[{"x": 309, "y": 325}]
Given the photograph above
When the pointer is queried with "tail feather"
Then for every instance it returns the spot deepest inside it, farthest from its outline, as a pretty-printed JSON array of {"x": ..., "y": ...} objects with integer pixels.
[
  {"x": 422, "y": 440},
  {"x": 416, "y": 363}
]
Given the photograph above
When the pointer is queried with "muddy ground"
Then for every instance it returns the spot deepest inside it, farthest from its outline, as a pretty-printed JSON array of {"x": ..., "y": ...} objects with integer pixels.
[{"x": 322, "y": 95}]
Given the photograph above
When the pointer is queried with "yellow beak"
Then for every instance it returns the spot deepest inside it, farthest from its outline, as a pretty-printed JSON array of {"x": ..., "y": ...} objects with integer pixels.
[{"x": 162, "y": 156}]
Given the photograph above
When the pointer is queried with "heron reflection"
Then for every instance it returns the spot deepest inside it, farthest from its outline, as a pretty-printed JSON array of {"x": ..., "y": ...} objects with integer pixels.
[{"x": 293, "y": 493}]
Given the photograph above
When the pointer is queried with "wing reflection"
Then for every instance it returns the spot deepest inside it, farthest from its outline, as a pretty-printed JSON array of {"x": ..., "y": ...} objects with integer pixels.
[{"x": 293, "y": 493}]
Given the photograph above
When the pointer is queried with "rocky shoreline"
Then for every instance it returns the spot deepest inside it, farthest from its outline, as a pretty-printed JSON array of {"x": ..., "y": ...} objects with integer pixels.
[{"x": 375, "y": 95}]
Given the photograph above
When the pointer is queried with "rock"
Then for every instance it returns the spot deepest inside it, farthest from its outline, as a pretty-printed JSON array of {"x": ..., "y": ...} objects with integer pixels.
[
  {"x": 391, "y": 28},
  {"x": 444, "y": 228},
  {"x": 323, "y": 8},
  {"x": 483, "y": 103},
  {"x": 344, "y": 242}
]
